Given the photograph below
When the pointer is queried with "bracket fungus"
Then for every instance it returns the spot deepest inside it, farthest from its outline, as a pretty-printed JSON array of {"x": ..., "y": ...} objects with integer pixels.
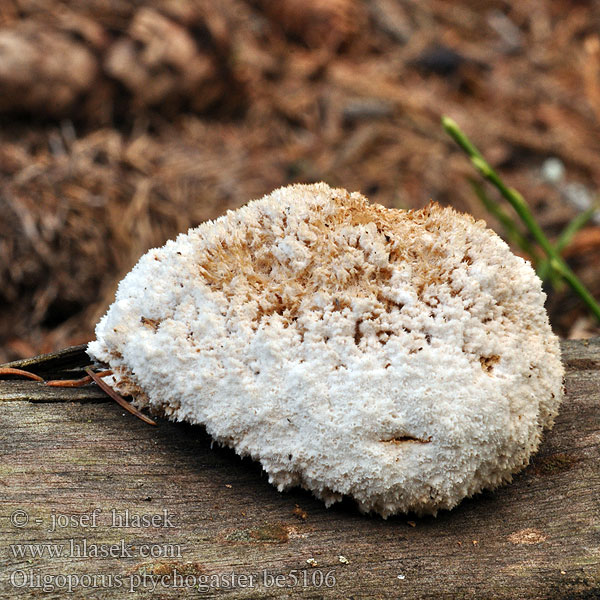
[{"x": 403, "y": 358}]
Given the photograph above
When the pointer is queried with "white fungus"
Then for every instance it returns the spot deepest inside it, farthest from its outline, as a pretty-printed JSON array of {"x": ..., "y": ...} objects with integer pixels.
[{"x": 403, "y": 358}]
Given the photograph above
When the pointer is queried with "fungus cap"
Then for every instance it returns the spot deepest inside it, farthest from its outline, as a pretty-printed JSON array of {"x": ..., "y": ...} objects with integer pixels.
[{"x": 403, "y": 358}]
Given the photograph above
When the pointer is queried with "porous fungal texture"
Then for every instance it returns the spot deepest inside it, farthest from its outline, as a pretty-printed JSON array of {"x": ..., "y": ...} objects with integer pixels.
[{"x": 403, "y": 358}]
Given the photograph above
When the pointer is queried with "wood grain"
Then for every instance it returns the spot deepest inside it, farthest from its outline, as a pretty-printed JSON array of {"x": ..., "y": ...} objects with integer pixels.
[{"x": 77, "y": 451}]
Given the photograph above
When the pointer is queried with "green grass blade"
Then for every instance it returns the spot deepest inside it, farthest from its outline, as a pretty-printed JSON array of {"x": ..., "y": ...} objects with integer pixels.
[{"x": 522, "y": 209}]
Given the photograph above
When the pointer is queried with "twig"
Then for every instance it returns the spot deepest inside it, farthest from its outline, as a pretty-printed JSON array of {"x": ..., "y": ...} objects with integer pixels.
[
  {"x": 76, "y": 382},
  {"x": 522, "y": 209},
  {"x": 126, "y": 405},
  {"x": 20, "y": 372}
]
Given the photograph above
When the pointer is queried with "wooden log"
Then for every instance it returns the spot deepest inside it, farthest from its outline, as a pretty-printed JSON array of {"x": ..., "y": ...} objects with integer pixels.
[
  {"x": 55, "y": 364},
  {"x": 216, "y": 518}
]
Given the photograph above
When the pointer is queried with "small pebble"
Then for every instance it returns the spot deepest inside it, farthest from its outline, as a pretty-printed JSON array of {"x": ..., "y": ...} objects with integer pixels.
[
  {"x": 509, "y": 33},
  {"x": 553, "y": 170},
  {"x": 578, "y": 195}
]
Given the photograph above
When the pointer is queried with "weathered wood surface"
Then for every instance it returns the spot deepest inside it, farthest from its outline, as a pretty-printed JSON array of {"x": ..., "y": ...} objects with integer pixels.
[{"x": 536, "y": 538}]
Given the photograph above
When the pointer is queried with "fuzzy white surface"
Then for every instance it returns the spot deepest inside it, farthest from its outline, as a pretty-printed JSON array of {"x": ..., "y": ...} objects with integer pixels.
[{"x": 403, "y": 358}]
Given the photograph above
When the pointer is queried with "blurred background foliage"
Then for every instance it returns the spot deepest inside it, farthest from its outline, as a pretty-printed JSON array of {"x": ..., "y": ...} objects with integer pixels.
[{"x": 126, "y": 122}]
